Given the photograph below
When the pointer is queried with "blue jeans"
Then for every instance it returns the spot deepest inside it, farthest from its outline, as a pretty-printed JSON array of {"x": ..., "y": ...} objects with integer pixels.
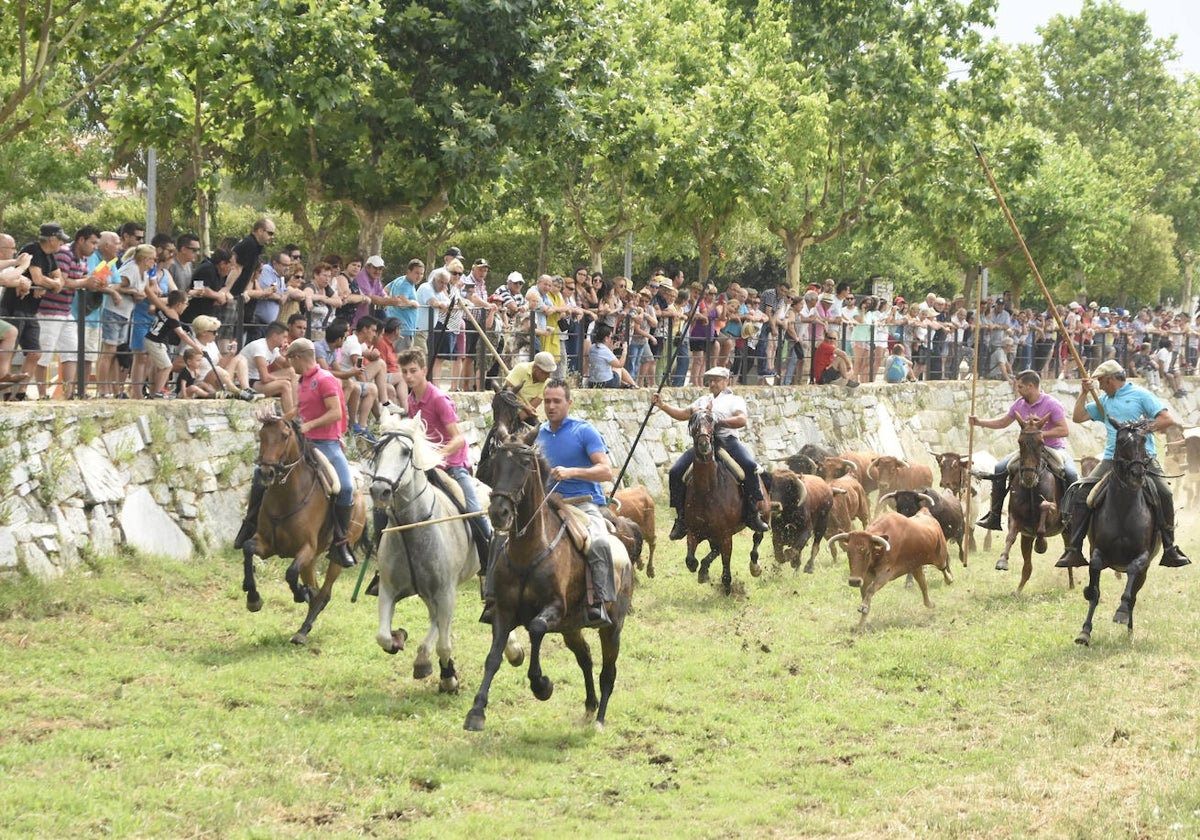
[
  {"x": 1070, "y": 473},
  {"x": 463, "y": 476},
  {"x": 737, "y": 451},
  {"x": 332, "y": 449},
  {"x": 682, "y": 361}
]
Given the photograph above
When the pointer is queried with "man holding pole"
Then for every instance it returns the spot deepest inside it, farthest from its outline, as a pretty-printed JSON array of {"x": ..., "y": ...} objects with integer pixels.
[
  {"x": 528, "y": 380},
  {"x": 440, "y": 417},
  {"x": 1122, "y": 402}
]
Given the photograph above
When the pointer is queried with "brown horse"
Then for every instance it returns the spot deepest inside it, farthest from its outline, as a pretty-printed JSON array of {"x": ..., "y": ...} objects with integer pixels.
[
  {"x": 539, "y": 582},
  {"x": 712, "y": 508},
  {"x": 294, "y": 520},
  {"x": 1034, "y": 502}
]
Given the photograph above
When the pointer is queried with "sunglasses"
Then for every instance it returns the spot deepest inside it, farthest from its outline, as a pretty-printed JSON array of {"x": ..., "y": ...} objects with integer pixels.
[{"x": 456, "y": 274}]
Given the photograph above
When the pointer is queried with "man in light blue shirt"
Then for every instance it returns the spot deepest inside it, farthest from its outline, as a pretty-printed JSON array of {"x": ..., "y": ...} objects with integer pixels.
[
  {"x": 405, "y": 308},
  {"x": 1122, "y": 402}
]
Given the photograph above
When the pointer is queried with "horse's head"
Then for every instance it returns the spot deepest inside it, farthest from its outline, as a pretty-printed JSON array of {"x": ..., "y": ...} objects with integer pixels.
[
  {"x": 506, "y": 412},
  {"x": 516, "y": 470},
  {"x": 1130, "y": 458},
  {"x": 278, "y": 448},
  {"x": 702, "y": 427},
  {"x": 1031, "y": 450},
  {"x": 401, "y": 452}
]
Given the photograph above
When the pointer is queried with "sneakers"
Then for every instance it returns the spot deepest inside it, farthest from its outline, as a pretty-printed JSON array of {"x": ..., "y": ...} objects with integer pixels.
[
  {"x": 364, "y": 433},
  {"x": 248, "y": 394},
  {"x": 852, "y": 383}
]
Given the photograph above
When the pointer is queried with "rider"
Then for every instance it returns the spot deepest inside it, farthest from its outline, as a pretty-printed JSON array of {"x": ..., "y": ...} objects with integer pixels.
[
  {"x": 578, "y": 458},
  {"x": 441, "y": 426},
  {"x": 528, "y": 380},
  {"x": 729, "y": 414},
  {"x": 1031, "y": 402},
  {"x": 1121, "y": 402},
  {"x": 322, "y": 410}
]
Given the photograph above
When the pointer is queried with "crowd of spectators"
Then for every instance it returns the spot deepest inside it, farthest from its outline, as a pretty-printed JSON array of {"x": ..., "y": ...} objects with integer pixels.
[{"x": 104, "y": 314}]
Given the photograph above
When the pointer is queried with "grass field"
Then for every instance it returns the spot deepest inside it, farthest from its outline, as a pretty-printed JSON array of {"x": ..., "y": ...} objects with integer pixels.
[{"x": 141, "y": 700}]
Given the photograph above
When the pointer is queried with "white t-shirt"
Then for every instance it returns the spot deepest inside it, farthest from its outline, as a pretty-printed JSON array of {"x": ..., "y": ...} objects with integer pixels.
[
  {"x": 351, "y": 347},
  {"x": 135, "y": 280},
  {"x": 258, "y": 349},
  {"x": 723, "y": 406}
]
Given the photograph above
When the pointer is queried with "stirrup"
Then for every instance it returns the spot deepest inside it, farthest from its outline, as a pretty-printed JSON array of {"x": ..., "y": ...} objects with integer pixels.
[
  {"x": 489, "y": 612},
  {"x": 1071, "y": 558},
  {"x": 597, "y": 616}
]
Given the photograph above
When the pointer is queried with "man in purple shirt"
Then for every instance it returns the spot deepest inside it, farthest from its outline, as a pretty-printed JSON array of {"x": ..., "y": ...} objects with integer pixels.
[
  {"x": 1031, "y": 402},
  {"x": 441, "y": 426}
]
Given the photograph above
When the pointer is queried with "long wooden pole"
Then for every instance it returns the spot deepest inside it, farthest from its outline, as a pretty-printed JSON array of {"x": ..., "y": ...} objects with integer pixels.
[
  {"x": 969, "y": 523},
  {"x": 487, "y": 342},
  {"x": 1062, "y": 329},
  {"x": 456, "y": 517}
]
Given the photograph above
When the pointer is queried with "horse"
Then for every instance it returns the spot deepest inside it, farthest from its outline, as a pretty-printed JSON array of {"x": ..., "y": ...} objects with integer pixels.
[
  {"x": 294, "y": 520},
  {"x": 1124, "y": 528},
  {"x": 1034, "y": 502},
  {"x": 539, "y": 578},
  {"x": 431, "y": 561},
  {"x": 506, "y": 420},
  {"x": 712, "y": 507}
]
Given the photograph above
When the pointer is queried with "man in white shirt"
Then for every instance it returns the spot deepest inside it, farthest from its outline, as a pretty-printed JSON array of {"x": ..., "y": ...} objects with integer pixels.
[
  {"x": 270, "y": 374},
  {"x": 729, "y": 413}
]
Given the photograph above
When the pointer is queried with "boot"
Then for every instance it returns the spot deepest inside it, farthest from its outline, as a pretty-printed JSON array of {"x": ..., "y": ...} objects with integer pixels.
[
  {"x": 339, "y": 550},
  {"x": 599, "y": 560},
  {"x": 753, "y": 518},
  {"x": 250, "y": 523},
  {"x": 1172, "y": 554},
  {"x": 1081, "y": 518},
  {"x": 486, "y": 588},
  {"x": 679, "y": 529},
  {"x": 991, "y": 520}
]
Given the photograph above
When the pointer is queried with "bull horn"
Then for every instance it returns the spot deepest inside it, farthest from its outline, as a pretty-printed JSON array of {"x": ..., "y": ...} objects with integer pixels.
[
  {"x": 878, "y": 540},
  {"x": 883, "y": 499},
  {"x": 932, "y": 498},
  {"x": 614, "y": 502},
  {"x": 838, "y": 491},
  {"x": 1177, "y": 442},
  {"x": 872, "y": 472},
  {"x": 903, "y": 464},
  {"x": 801, "y": 492},
  {"x": 853, "y": 466},
  {"x": 837, "y": 538}
]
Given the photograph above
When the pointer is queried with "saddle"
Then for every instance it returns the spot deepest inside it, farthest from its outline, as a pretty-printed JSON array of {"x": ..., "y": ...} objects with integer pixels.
[
  {"x": 727, "y": 461},
  {"x": 576, "y": 520},
  {"x": 1095, "y": 497},
  {"x": 449, "y": 486},
  {"x": 326, "y": 474},
  {"x": 1053, "y": 459}
]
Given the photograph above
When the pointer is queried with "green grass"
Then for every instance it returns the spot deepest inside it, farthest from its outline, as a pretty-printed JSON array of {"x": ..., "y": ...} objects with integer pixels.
[{"x": 140, "y": 699}]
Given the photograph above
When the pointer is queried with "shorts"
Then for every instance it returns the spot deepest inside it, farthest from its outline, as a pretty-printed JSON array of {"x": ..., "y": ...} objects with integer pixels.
[
  {"x": 159, "y": 357},
  {"x": 61, "y": 336},
  {"x": 698, "y": 345},
  {"x": 829, "y": 376},
  {"x": 91, "y": 342},
  {"x": 115, "y": 327},
  {"x": 142, "y": 322},
  {"x": 5, "y": 328},
  {"x": 29, "y": 332}
]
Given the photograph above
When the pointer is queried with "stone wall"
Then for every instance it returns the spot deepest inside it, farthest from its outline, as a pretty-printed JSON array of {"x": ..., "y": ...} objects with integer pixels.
[{"x": 170, "y": 478}]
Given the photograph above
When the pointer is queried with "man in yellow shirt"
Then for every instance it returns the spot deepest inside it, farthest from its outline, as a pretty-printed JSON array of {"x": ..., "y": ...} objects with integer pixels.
[{"x": 528, "y": 379}]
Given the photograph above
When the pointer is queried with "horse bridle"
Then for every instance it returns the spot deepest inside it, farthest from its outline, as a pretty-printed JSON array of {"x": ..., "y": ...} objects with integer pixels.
[
  {"x": 280, "y": 469},
  {"x": 513, "y": 498},
  {"x": 392, "y": 484},
  {"x": 1137, "y": 467},
  {"x": 700, "y": 430}
]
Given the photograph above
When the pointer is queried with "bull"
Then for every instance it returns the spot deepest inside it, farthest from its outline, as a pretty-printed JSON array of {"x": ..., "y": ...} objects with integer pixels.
[
  {"x": 946, "y": 509},
  {"x": 849, "y": 503},
  {"x": 890, "y": 547},
  {"x": 805, "y": 503},
  {"x": 809, "y": 459},
  {"x": 892, "y": 473},
  {"x": 637, "y": 504}
]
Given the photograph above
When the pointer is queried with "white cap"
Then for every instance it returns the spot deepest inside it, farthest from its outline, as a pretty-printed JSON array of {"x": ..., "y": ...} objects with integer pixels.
[
  {"x": 545, "y": 361},
  {"x": 722, "y": 372},
  {"x": 375, "y": 261},
  {"x": 515, "y": 277}
]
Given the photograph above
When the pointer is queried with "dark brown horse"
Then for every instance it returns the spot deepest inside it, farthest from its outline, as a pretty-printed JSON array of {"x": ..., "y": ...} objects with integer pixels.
[
  {"x": 539, "y": 581},
  {"x": 1124, "y": 528},
  {"x": 712, "y": 508},
  {"x": 506, "y": 420},
  {"x": 1034, "y": 501},
  {"x": 294, "y": 520}
]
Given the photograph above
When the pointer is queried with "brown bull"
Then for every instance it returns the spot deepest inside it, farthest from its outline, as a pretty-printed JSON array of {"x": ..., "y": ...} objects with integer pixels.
[
  {"x": 849, "y": 503},
  {"x": 890, "y": 473},
  {"x": 892, "y": 546},
  {"x": 945, "y": 507},
  {"x": 953, "y": 468},
  {"x": 637, "y": 504},
  {"x": 849, "y": 463},
  {"x": 805, "y": 503}
]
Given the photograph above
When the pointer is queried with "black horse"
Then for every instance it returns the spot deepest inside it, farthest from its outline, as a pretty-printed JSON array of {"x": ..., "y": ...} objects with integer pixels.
[{"x": 1124, "y": 529}]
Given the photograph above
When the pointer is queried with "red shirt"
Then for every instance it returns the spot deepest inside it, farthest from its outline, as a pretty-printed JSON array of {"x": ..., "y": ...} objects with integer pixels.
[
  {"x": 388, "y": 353},
  {"x": 315, "y": 387},
  {"x": 822, "y": 358}
]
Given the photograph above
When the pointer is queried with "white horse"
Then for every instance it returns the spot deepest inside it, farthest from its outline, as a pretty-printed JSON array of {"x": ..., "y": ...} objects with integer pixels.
[{"x": 430, "y": 560}]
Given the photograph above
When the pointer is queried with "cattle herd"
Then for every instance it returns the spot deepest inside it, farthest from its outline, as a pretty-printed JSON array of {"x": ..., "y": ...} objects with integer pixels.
[{"x": 823, "y": 494}]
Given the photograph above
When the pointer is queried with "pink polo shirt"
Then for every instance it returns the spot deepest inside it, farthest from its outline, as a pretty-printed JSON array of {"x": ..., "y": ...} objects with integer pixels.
[
  {"x": 315, "y": 387},
  {"x": 438, "y": 412}
]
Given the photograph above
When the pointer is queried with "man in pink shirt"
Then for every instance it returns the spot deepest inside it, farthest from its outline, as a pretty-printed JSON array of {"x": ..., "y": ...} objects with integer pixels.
[{"x": 441, "y": 426}]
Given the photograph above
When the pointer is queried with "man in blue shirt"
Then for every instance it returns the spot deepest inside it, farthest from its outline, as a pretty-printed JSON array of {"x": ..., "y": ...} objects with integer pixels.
[
  {"x": 1122, "y": 402},
  {"x": 404, "y": 289}
]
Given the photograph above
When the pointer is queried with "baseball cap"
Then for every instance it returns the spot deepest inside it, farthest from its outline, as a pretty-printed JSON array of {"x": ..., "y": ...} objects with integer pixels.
[
  {"x": 545, "y": 361},
  {"x": 897, "y": 300},
  {"x": 515, "y": 277},
  {"x": 205, "y": 323},
  {"x": 481, "y": 262},
  {"x": 722, "y": 372},
  {"x": 53, "y": 229},
  {"x": 1109, "y": 368},
  {"x": 452, "y": 252},
  {"x": 375, "y": 261},
  {"x": 298, "y": 346}
]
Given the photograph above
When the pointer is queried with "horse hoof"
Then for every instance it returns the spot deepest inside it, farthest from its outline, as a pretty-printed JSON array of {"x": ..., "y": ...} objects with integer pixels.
[
  {"x": 702, "y": 577},
  {"x": 474, "y": 722},
  {"x": 448, "y": 685},
  {"x": 399, "y": 637},
  {"x": 543, "y": 688},
  {"x": 650, "y": 570},
  {"x": 598, "y": 725},
  {"x": 691, "y": 564},
  {"x": 755, "y": 570},
  {"x": 254, "y": 603},
  {"x": 300, "y": 639},
  {"x": 1121, "y": 616},
  {"x": 515, "y": 654},
  {"x": 1039, "y": 545},
  {"x": 1002, "y": 565},
  {"x": 1084, "y": 639},
  {"x": 422, "y": 670}
]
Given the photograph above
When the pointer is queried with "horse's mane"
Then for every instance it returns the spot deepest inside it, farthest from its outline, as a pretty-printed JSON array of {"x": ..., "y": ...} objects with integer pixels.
[
  {"x": 516, "y": 443},
  {"x": 425, "y": 453}
]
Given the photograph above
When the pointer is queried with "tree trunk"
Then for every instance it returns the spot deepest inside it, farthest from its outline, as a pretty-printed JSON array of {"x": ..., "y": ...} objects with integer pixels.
[
  {"x": 544, "y": 225},
  {"x": 203, "y": 229},
  {"x": 705, "y": 236},
  {"x": 595, "y": 254},
  {"x": 371, "y": 224},
  {"x": 793, "y": 243},
  {"x": 1189, "y": 260}
]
